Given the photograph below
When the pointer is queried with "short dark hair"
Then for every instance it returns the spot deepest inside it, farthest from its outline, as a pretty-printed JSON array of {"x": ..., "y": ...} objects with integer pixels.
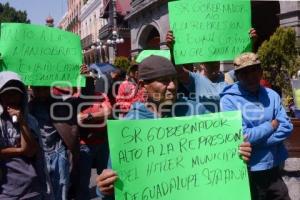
[{"x": 133, "y": 68}]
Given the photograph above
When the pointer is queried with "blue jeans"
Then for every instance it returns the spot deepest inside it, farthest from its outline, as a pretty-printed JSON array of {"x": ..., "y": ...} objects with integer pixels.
[
  {"x": 58, "y": 167},
  {"x": 91, "y": 156}
]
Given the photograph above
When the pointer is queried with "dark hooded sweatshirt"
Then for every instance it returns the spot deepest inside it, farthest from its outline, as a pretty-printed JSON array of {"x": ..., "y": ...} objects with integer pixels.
[{"x": 20, "y": 175}]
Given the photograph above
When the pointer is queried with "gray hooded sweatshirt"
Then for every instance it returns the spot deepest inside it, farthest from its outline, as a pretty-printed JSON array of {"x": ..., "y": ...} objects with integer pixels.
[{"x": 22, "y": 177}]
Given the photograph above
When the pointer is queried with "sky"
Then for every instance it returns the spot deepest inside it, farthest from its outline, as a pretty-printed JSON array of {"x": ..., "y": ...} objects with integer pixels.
[{"x": 39, "y": 10}]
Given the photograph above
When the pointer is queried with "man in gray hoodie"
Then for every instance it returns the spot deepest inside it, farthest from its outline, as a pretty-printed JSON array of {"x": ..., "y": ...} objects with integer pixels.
[{"x": 21, "y": 162}]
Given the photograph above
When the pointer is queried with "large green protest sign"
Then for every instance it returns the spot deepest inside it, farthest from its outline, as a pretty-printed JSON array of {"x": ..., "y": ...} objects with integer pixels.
[
  {"x": 41, "y": 55},
  {"x": 209, "y": 30},
  {"x": 193, "y": 157}
]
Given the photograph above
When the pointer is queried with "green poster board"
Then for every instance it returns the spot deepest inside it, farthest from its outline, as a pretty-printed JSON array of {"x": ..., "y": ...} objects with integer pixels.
[
  {"x": 209, "y": 30},
  {"x": 146, "y": 53},
  {"x": 179, "y": 158},
  {"x": 41, "y": 55}
]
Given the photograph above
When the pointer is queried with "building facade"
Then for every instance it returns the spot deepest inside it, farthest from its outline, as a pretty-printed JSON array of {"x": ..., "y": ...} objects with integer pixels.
[
  {"x": 149, "y": 24},
  {"x": 91, "y": 23},
  {"x": 73, "y": 22},
  {"x": 149, "y": 21},
  {"x": 115, "y": 35},
  {"x": 290, "y": 16},
  {"x": 63, "y": 23}
]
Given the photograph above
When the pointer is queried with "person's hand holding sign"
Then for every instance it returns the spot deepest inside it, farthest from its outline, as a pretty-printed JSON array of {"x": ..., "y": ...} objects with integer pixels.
[
  {"x": 253, "y": 34},
  {"x": 245, "y": 150},
  {"x": 170, "y": 39},
  {"x": 105, "y": 181},
  {"x": 84, "y": 70}
]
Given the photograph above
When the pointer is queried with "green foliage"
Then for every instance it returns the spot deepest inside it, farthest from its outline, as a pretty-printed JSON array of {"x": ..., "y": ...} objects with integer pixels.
[
  {"x": 122, "y": 63},
  {"x": 10, "y": 14},
  {"x": 280, "y": 59}
]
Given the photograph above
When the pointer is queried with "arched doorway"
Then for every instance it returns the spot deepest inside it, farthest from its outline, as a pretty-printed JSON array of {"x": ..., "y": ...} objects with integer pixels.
[{"x": 149, "y": 38}]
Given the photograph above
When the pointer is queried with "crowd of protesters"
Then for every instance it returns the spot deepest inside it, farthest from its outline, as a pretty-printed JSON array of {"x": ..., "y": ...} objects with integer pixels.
[{"x": 51, "y": 139}]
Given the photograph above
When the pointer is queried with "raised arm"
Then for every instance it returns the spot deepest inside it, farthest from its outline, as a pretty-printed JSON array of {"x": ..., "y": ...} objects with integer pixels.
[{"x": 183, "y": 74}]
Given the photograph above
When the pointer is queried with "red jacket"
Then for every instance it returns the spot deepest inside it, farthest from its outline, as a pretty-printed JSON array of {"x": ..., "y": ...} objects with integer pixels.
[
  {"x": 128, "y": 94},
  {"x": 95, "y": 135}
]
